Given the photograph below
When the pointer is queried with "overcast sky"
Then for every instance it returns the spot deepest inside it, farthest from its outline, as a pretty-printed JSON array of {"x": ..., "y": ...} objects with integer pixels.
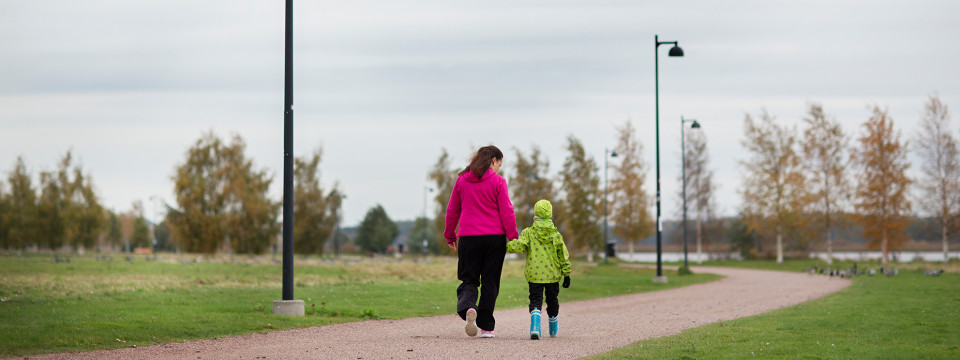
[{"x": 383, "y": 86}]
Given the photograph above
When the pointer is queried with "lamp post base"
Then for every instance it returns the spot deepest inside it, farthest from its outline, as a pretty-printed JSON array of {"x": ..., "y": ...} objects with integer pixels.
[
  {"x": 660, "y": 279},
  {"x": 288, "y": 307}
]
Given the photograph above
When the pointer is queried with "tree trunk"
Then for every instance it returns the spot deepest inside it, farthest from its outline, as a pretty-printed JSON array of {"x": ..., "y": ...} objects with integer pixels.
[
  {"x": 699, "y": 249},
  {"x": 779, "y": 244},
  {"x": 829, "y": 247},
  {"x": 589, "y": 256},
  {"x": 946, "y": 252},
  {"x": 631, "y": 250},
  {"x": 883, "y": 248}
]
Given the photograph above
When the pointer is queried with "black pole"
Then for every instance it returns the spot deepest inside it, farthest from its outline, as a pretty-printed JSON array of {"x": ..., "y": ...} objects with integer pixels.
[
  {"x": 656, "y": 81},
  {"x": 683, "y": 156},
  {"x": 288, "y": 157},
  {"x": 605, "y": 155}
]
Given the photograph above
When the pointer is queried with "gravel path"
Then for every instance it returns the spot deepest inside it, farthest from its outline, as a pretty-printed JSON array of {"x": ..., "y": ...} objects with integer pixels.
[{"x": 586, "y": 327}]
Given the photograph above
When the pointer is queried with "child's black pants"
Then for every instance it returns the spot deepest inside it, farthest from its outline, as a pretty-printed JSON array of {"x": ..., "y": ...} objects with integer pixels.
[
  {"x": 536, "y": 297},
  {"x": 478, "y": 268}
]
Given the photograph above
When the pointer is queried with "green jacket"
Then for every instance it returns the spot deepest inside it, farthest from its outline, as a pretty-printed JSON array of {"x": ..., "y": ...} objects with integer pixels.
[{"x": 547, "y": 258}]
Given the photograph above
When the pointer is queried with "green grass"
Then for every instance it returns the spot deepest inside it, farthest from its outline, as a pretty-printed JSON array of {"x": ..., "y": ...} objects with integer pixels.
[
  {"x": 909, "y": 316},
  {"x": 88, "y": 304}
]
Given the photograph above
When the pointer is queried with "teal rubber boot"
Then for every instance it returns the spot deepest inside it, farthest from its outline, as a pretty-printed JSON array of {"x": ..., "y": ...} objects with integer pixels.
[
  {"x": 535, "y": 324},
  {"x": 554, "y": 326}
]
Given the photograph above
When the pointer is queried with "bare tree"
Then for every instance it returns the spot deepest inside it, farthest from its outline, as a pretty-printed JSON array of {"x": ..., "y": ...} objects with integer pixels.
[
  {"x": 700, "y": 186},
  {"x": 940, "y": 182},
  {"x": 630, "y": 202},
  {"x": 774, "y": 193},
  {"x": 824, "y": 146},
  {"x": 882, "y": 203}
]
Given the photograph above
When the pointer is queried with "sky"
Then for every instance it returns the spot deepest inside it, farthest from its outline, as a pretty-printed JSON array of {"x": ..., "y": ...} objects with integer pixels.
[{"x": 384, "y": 86}]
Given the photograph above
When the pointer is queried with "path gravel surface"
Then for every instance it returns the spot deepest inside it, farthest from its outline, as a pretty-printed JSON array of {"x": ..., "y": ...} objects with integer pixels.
[{"x": 586, "y": 327}]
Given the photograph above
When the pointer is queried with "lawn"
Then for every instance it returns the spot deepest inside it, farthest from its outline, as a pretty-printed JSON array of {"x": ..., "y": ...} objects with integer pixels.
[
  {"x": 908, "y": 316},
  {"x": 88, "y": 304}
]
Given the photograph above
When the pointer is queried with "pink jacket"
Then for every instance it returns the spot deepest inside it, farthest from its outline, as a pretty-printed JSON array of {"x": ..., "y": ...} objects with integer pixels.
[{"x": 481, "y": 207}]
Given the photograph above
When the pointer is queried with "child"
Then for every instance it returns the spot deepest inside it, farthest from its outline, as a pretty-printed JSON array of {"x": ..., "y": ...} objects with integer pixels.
[{"x": 547, "y": 262}]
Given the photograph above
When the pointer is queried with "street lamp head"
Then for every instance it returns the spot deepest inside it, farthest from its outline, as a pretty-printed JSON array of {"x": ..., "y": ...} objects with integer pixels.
[
  {"x": 676, "y": 51},
  {"x": 695, "y": 125},
  {"x": 613, "y": 154}
]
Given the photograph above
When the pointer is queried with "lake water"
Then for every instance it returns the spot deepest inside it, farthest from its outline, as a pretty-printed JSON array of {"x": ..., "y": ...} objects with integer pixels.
[{"x": 896, "y": 256}]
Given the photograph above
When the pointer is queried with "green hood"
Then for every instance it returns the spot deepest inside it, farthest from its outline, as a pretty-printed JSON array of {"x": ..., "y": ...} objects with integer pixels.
[
  {"x": 543, "y": 209},
  {"x": 542, "y": 224}
]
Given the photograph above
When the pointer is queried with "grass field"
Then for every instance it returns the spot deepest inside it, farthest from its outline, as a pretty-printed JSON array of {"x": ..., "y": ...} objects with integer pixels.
[
  {"x": 88, "y": 304},
  {"x": 908, "y": 316}
]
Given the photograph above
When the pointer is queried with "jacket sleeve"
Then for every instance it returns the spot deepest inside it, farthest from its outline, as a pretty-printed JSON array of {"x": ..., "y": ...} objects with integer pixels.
[
  {"x": 453, "y": 214},
  {"x": 563, "y": 256},
  {"x": 520, "y": 244},
  {"x": 507, "y": 217}
]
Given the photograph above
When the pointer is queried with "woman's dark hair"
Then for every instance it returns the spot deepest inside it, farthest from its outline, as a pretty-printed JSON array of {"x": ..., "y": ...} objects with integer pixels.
[{"x": 480, "y": 162}]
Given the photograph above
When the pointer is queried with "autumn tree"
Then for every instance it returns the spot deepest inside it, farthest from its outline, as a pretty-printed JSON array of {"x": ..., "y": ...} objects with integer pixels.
[
  {"x": 252, "y": 215},
  {"x": 222, "y": 200},
  {"x": 940, "y": 169},
  {"x": 700, "y": 186},
  {"x": 314, "y": 211},
  {"x": 773, "y": 190},
  {"x": 19, "y": 217},
  {"x": 140, "y": 232},
  {"x": 199, "y": 221},
  {"x": 581, "y": 188},
  {"x": 443, "y": 176},
  {"x": 113, "y": 234},
  {"x": 529, "y": 184},
  {"x": 68, "y": 210},
  {"x": 377, "y": 231},
  {"x": 629, "y": 203},
  {"x": 83, "y": 218},
  {"x": 881, "y": 194},
  {"x": 824, "y": 148},
  {"x": 50, "y": 205}
]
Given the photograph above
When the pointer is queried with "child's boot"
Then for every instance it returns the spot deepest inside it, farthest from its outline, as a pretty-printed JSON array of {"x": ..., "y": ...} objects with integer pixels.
[
  {"x": 535, "y": 324},
  {"x": 554, "y": 326}
]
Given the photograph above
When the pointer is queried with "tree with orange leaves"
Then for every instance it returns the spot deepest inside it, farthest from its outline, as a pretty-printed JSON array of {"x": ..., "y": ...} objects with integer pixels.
[
  {"x": 774, "y": 187},
  {"x": 881, "y": 195}
]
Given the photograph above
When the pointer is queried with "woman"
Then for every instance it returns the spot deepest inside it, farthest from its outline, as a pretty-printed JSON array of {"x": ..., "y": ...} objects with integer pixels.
[{"x": 480, "y": 205}]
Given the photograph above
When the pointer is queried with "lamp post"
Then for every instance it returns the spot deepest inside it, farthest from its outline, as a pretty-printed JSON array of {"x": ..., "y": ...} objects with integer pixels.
[
  {"x": 424, "y": 230},
  {"x": 675, "y": 51},
  {"x": 683, "y": 156},
  {"x": 287, "y": 305},
  {"x": 606, "y": 155}
]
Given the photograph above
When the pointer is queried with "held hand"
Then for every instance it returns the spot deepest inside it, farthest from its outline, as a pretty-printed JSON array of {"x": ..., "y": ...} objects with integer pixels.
[
  {"x": 452, "y": 245},
  {"x": 566, "y": 282}
]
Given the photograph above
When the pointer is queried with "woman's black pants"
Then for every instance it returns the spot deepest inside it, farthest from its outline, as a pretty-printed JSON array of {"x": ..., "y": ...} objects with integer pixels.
[{"x": 478, "y": 268}]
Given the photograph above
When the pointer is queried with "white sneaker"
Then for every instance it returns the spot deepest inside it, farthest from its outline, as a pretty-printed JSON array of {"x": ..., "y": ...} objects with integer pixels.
[
  {"x": 471, "y": 327},
  {"x": 487, "y": 334}
]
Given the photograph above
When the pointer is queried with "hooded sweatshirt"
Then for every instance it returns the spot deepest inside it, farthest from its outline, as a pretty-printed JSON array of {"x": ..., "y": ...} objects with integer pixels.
[
  {"x": 547, "y": 258},
  {"x": 481, "y": 206}
]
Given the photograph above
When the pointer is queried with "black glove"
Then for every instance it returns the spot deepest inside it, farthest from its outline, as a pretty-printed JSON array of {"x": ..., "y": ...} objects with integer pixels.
[{"x": 566, "y": 282}]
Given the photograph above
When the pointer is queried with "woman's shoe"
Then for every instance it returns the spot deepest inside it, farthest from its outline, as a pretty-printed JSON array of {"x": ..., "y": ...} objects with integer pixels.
[
  {"x": 487, "y": 334},
  {"x": 471, "y": 327},
  {"x": 554, "y": 326}
]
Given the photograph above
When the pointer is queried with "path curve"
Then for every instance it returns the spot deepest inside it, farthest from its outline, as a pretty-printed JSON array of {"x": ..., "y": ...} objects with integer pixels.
[{"x": 586, "y": 327}]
